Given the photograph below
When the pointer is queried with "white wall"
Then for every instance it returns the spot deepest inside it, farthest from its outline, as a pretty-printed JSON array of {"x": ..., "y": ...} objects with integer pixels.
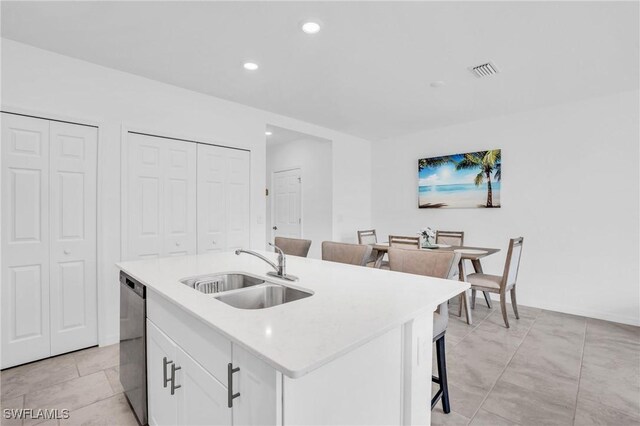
[
  {"x": 570, "y": 188},
  {"x": 313, "y": 157},
  {"x": 54, "y": 86}
]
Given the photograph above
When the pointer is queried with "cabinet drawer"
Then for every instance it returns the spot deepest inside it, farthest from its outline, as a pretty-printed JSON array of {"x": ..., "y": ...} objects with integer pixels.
[{"x": 200, "y": 341}]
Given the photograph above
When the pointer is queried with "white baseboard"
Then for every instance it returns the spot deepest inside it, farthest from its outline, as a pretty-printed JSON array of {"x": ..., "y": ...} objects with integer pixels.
[{"x": 606, "y": 316}]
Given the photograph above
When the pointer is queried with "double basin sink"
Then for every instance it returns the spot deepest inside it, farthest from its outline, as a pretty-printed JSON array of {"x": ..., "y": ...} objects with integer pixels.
[{"x": 245, "y": 291}]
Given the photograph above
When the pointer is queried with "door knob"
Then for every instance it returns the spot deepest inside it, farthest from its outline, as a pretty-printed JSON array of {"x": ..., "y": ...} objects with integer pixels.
[
  {"x": 67, "y": 251},
  {"x": 275, "y": 228}
]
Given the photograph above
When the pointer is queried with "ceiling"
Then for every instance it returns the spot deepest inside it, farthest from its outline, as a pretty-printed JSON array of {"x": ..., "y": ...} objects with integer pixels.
[
  {"x": 281, "y": 135},
  {"x": 368, "y": 71}
]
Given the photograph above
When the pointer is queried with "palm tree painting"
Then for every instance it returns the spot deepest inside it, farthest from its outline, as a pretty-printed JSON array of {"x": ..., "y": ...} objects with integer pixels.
[{"x": 470, "y": 180}]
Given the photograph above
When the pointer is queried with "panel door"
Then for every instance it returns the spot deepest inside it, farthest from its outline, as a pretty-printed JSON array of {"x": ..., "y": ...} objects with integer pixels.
[
  {"x": 180, "y": 199},
  {"x": 287, "y": 209},
  {"x": 212, "y": 198},
  {"x": 161, "y": 191},
  {"x": 202, "y": 400},
  {"x": 73, "y": 164},
  {"x": 145, "y": 216},
  {"x": 25, "y": 240},
  {"x": 161, "y": 353},
  {"x": 238, "y": 199}
]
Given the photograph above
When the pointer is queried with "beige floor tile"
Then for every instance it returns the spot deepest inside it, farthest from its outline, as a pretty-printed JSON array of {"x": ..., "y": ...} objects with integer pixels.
[
  {"x": 438, "y": 417},
  {"x": 466, "y": 401},
  {"x": 11, "y": 404},
  {"x": 72, "y": 394},
  {"x": 591, "y": 413},
  {"x": 518, "y": 328},
  {"x": 609, "y": 329},
  {"x": 485, "y": 418},
  {"x": 473, "y": 374},
  {"x": 559, "y": 324},
  {"x": 30, "y": 377},
  {"x": 99, "y": 358},
  {"x": 536, "y": 379},
  {"x": 614, "y": 388},
  {"x": 527, "y": 407},
  {"x": 113, "y": 375},
  {"x": 111, "y": 411}
]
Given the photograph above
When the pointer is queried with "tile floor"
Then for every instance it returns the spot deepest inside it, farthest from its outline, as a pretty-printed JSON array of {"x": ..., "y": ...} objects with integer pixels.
[{"x": 547, "y": 369}]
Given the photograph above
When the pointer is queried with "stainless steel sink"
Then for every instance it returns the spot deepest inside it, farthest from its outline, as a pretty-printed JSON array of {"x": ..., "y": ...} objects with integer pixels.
[
  {"x": 209, "y": 284},
  {"x": 263, "y": 296}
]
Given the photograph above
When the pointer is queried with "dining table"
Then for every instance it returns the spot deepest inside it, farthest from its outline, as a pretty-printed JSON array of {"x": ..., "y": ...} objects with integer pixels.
[{"x": 474, "y": 254}]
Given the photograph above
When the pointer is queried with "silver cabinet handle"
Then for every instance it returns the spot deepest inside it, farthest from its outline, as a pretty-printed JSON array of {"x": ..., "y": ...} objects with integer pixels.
[
  {"x": 165, "y": 380},
  {"x": 67, "y": 251},
  {"x": 230, "y": 395},
  {"x": 173, "y": 378}
]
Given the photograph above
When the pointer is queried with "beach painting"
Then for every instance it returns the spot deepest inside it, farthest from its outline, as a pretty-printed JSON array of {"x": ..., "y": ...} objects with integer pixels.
[{"x": 459, "y": 181}]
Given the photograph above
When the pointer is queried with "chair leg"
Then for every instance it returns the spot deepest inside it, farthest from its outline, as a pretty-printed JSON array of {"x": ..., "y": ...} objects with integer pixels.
[
  {"x": 503, "y": 305},
  {"x": 487, "y": 298},
  {"x": 514, "y": 305},
  {"x": 473, "y": 299},
  {"x": 442, "y": 374}
]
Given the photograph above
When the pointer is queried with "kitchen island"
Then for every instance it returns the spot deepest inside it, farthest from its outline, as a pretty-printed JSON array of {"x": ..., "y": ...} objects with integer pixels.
[{"x": 357, "y": 350}]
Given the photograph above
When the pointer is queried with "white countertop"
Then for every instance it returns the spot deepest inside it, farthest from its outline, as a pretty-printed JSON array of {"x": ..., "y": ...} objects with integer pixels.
[{"x": 350, "y": 306}]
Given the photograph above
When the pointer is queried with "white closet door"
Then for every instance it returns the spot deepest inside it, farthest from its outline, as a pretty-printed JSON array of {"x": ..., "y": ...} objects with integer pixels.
[
  {"x": 238, "y": 199},
  {"x": 161, "y": 191},
  {"x": 212, "y": 211},
  {"x": 73, "y": 164},
  {"x": 25, "y": 239},
  {"x": 180, "y": 199}
]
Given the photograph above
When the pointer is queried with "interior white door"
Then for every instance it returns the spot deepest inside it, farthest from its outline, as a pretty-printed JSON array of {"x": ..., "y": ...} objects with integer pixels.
[
  {"x": 161, "y": 197},
  {"x": 202, "y": 400},
  {"x": 25, "y": 240},
  {"x": 287, "y": 208},
  {"x": 223, "y": 198},
  {"x": 73, "y": 165}
]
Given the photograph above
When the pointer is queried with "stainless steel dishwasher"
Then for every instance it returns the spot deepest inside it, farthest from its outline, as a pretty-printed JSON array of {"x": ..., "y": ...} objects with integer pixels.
[{"x": 133, "y": 344}]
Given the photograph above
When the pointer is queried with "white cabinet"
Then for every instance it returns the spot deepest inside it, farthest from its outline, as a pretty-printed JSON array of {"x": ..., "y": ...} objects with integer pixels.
[
  {"x": 48, "y": 238},
  {"x": 200, "y": 359},
  {"x": 223, "y": 198},
  {"x": 180, "y": 391}
]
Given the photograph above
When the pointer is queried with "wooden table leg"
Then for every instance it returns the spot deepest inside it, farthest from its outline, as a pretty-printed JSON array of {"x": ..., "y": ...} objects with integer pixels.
[
  {"x": 477, "y": 266},
  {"x": 464, "y": 296}
]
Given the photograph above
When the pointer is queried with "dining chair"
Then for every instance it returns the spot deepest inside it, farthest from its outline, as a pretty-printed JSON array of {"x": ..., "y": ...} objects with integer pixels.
[
  {"x": 501, "y": 284},
  {"x": 293, "y": 246},
  {"x": 369, "y": 236},
  {"x": 453, "y": 238},
  {"x": 351, "y": 254},
  {"x": 443, "y": 264},
  {"x": 404, "y": 242}
]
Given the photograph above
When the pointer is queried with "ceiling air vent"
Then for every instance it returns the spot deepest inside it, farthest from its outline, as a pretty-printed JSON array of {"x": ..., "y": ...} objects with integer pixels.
[{"x": 485, "y": 70}]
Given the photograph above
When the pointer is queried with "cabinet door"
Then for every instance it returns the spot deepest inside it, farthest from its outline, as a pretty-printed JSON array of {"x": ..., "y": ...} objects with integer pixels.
[
  {"x": 257, "y": 383},
  {"x": 202, "y": 400},
  {"x": 73, "y": 163},
  {"x": 163, "y": 407},
  {"x": 223, "y": 198},
  {"x": 25, "y": 240}
]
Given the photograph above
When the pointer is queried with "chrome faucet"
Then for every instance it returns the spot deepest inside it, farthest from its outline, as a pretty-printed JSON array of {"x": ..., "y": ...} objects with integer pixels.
[{"x": 281, "y": 267}]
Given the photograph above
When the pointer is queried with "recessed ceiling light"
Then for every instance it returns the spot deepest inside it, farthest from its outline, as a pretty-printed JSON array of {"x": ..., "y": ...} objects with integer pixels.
[
  {"x": 311, "y": 27},
  {"x": 438, "y": 83},
  {"x": 268, "y": 133},
  {"x": 251, "y": 66}
]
